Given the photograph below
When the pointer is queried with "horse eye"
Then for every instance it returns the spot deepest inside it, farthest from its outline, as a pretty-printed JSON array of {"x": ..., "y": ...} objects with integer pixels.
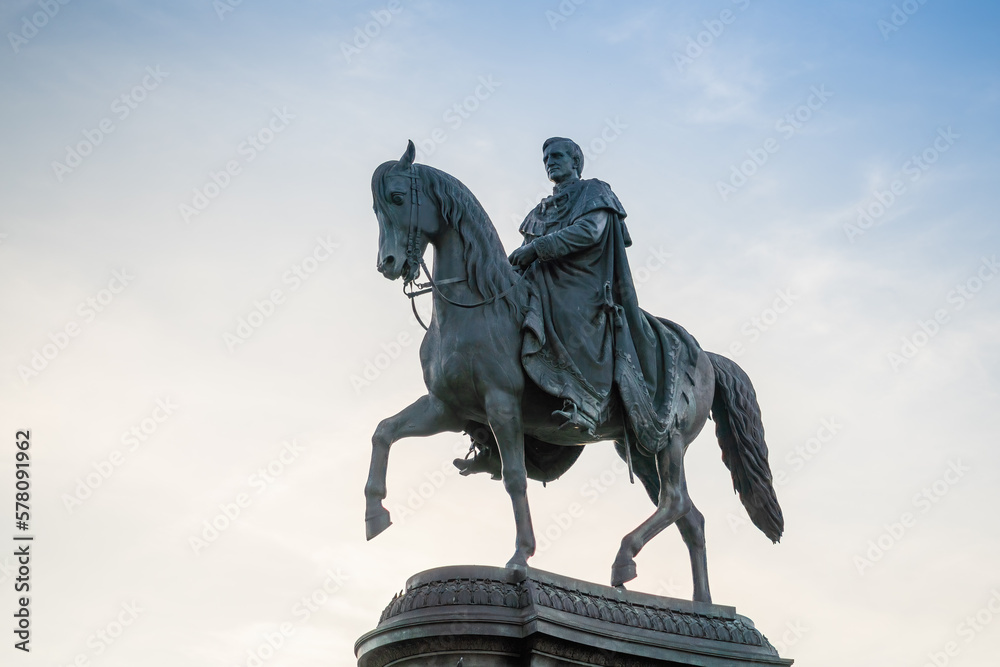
[{"x": 397, "y": 198}]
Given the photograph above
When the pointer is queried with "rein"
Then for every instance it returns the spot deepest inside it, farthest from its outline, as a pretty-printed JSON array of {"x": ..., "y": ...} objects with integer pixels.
[{"x": 414, "y": 258}]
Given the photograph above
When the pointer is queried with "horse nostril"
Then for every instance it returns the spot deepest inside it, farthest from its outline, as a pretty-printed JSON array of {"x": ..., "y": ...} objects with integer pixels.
[{"x": 386, "y": 263}]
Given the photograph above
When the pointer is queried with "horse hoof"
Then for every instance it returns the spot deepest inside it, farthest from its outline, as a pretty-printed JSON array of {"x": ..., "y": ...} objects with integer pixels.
[
  {"x": 622, "y": 573},
  {"x": 377, "y": 522},
  {"x": 518, "y": 564}
]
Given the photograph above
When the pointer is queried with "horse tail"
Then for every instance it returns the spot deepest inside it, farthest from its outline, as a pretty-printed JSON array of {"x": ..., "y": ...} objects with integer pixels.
[{"x": 741, "y": 437}]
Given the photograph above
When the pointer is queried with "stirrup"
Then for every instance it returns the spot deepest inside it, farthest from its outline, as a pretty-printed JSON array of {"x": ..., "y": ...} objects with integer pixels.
[{"x": 571, "y": 413}]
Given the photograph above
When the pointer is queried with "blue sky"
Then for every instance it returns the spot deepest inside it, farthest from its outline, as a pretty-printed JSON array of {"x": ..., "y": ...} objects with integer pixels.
[{"x": 325, "y": 110}]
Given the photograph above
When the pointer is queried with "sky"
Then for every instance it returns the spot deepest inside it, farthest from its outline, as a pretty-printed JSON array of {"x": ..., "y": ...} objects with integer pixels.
[{"x": 194, "y": 333}]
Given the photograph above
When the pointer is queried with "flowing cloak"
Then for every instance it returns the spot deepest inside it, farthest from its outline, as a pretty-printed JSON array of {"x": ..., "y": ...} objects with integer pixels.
[{"x": 584, "y": 335}]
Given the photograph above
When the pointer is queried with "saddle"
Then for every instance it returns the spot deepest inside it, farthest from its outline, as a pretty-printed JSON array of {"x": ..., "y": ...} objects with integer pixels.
[
  {"x": 543, "y": 461},
  {"x": 546, "y": 462}
]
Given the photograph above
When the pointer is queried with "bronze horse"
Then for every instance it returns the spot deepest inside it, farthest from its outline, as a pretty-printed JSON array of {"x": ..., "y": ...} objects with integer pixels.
[{"x": 471, "y": 366}]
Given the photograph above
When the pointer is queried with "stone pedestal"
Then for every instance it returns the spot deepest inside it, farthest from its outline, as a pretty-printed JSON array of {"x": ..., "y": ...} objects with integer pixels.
[{"x": 477, "y": 616}]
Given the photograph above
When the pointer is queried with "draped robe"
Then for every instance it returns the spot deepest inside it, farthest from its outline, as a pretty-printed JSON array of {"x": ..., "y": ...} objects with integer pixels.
[{"x": 585, "y": 339}]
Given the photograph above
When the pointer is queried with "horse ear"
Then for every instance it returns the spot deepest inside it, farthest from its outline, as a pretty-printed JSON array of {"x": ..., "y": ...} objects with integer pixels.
[{"x": 406, "y": 161}]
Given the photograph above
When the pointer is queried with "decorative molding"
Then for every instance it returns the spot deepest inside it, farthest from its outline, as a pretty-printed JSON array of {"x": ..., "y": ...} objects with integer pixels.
[{"x": 655, "y": 614}]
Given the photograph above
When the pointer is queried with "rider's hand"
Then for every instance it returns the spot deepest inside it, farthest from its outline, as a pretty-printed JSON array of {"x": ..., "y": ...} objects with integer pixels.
[{"x": 523, "y": 256}]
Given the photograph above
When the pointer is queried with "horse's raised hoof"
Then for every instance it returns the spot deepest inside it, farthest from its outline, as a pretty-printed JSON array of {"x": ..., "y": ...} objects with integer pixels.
[
  {"x": 622, "y": 573},
  {"x": 377, "y": 522}
]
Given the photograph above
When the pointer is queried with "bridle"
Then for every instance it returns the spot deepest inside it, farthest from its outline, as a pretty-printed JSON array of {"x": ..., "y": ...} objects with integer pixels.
[{"x": 413, "y": 289}]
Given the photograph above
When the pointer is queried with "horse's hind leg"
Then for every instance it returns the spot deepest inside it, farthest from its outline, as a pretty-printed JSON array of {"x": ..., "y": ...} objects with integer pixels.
[
  {"x": 425, "y": 416},
  {"x": 692, "y": 527},
  {"x": 672, "y": 504}
]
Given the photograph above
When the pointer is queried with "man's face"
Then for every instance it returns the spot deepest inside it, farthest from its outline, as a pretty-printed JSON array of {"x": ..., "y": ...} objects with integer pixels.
[{"x": 559, "y": 163}]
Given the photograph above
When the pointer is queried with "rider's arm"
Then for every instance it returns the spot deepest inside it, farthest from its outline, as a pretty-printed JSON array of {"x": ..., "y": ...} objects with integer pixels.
[{"x": 584, "y": 232}]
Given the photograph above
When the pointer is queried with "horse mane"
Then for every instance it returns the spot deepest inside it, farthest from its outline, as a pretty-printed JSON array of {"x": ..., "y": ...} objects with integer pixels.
[{"x": 486, "y": 263}]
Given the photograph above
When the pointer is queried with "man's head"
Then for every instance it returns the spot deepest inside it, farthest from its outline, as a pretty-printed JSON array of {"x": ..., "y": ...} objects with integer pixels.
[{"x": 563, "y": 159}]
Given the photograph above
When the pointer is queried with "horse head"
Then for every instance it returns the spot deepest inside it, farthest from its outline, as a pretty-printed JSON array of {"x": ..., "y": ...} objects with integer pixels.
[{"x": 406, "y": 222}]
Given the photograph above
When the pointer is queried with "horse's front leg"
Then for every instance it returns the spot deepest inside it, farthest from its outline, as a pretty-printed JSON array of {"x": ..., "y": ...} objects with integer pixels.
[
  {"x": 503, "y": 411},
  {"x": 426, "y": 416}
]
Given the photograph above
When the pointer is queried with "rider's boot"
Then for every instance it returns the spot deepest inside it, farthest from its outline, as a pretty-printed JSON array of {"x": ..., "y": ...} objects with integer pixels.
[{"x": 485, "y": 458}]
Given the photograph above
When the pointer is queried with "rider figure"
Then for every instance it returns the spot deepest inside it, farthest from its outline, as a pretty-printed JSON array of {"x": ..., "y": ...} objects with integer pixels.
[
  {"x": 569, "y": 256},
  {"x": 578, "y": 344}
]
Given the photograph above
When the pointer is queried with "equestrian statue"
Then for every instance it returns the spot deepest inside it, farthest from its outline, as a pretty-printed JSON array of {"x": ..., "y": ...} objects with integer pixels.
[{"x": 536, "y": 354}]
